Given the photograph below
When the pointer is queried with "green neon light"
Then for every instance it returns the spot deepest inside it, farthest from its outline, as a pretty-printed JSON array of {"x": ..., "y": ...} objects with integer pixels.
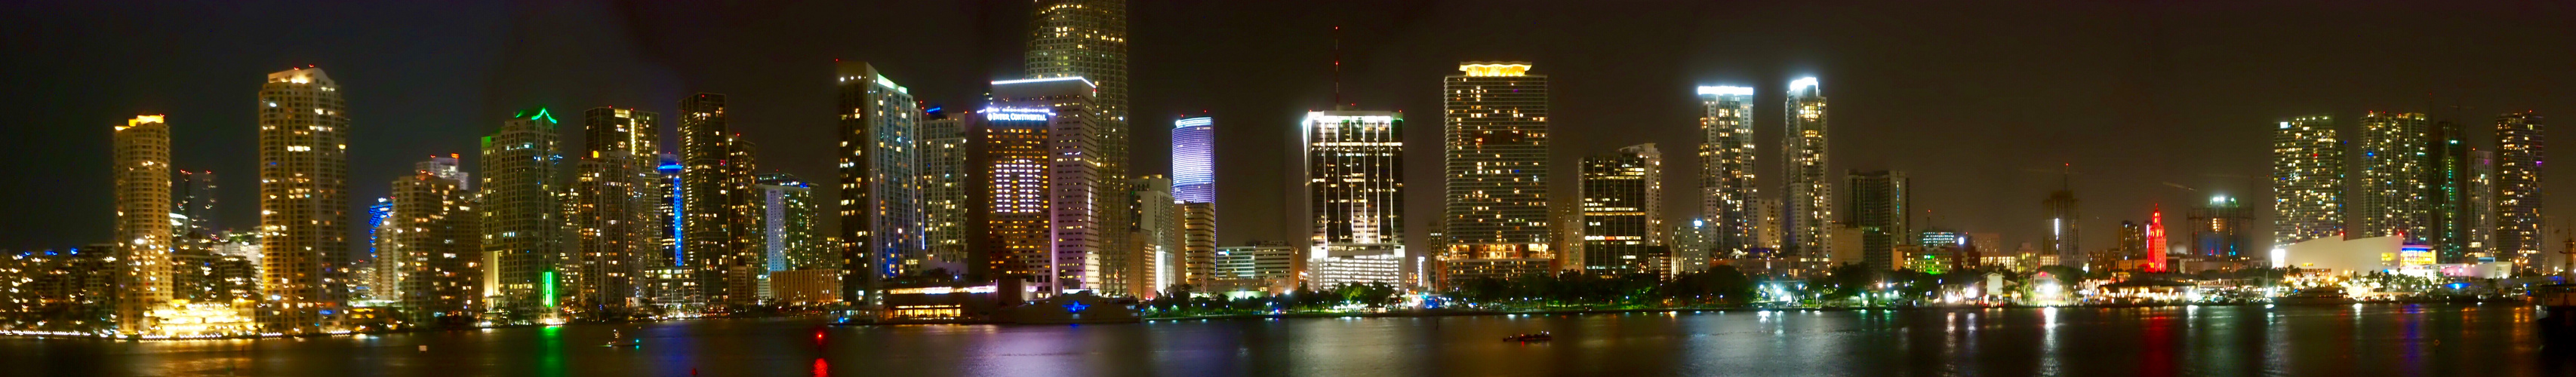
[
  {"x": 550, "y": 289},
  {"x": 536, "y": 114}
]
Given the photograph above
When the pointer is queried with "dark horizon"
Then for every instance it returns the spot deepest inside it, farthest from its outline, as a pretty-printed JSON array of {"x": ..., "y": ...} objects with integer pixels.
[{"x": 1979, "y": 104}]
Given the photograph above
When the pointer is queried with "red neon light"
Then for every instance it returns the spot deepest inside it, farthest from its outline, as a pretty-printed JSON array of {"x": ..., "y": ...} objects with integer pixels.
[{"x": 2156, "y": 240}]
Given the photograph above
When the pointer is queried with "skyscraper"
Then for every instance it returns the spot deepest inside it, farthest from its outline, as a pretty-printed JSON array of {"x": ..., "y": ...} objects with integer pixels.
[
  {"x": 2062, "y": 230},
  {"x": 2218, "y": 231},
  {"x": 1879, "y": 201},
  {"x": 790, "y": 229},
  {"x": 303, "y": 190},
  {"x": 1728, "y": 190},
  {"x": 1156, "y": 238},
  {"x": 1354, "y": 163},
  {"x": 2393, "y": 200},
  {"x": 1497, "y": 169},
  {"x": 1087, "y": 39},
  {"x": 2517, "y": 184},
  {"x": 1194, "y": 187},
  {"x": 2480, "y": 229},
  {"x": 2446, "y": 195},
  {"x": 143, "y": 234},
  {"x": 522, "y": 223},
  {"x": 2307, "y": 180},
  {"x": 609, "y": 205},
  {"x": 194, "y": 196},
  {"x": 1010, "y": 165},
  {"x": 714, "y": 181},
  {"x": 880, "y": 192},
  {"x": 1623, "y": 223},
  {"x": 945, "y": 226},
  {"x": 1082, "y": 200},
  {"x": 1809, "y": 206},
  {"x": 430, "y": 261},
  {"x": 2156, "y": 248}
]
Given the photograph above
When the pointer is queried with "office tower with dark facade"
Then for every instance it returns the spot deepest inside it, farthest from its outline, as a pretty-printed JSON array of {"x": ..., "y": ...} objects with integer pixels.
[
  {"x": 193, "y": 197},
  {"x": 1623, "y": 224},
  {"x": 1354, "y": 164},
  {"x": 2446, "y": 193},
  {"x": 880, "y": 189},
  {"x": 2517, "y": 184},
  {"x": 609, "y": 204},
  {"x": 791, "y": 234},
  {"x": 2393, "y": 176},
  {"x": 303, "y": 190},
  {"x": 430, "y": 254},
  {"x": 1081, "y": 200},
  {"x": 2060, "y": 241},
  {"x": 1879, "y": 201},
  {"x": 1088, "y": 39},
  {"x": 1157, "y": 237},
  {"x": 2307, "y": 180},
  {"x": 2218, "y": 231},
  {"x": 1496, "y": 151},
  {"x": 1194, "y": 187},
  {"x": 522, "y": 216},
  {"x": 945, "y": 231},
  {"x": 143, "y": 226},
  {"x": 1728, "y": 190},
  {"x": 1809, "y": 205}
]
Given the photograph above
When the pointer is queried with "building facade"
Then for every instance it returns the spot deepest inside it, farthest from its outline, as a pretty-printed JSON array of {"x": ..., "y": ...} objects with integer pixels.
[
  {"x": 1879, "y": 204},
  {"x": 2307, "y": 180},
  {"x": 1728, "y": 190},
  {"x": 143, "y": 222},
  {"x": 2393, "y": 177},
  {"x": 1087, "y": 39},
  {"x": 2519, "y": 234},
  {"x": 1194, "y": 187},
  {"x": 1622, "y": 214},
  {"x": 1354, "y": 164},
  {"x": 1808, "y": 209},
  {"x": 522, "y": 217},
  {"x": 1497, "y": 168},
  {"x": 881, "y": 214},
  {"x": 303, "y": 174}
]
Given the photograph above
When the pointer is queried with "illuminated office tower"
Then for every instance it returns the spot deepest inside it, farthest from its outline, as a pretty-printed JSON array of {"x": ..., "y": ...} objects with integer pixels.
[
  {"x": 365, "y": 278},
  {"x": 2218, "y": 230},
  {"x": 1623, "y": 222},
  {"x": 522, "y": 223},
  {"x": 2479, "y": 232},
  {"x": 388, "y": 266},
  {"x": 609, "y": 205},
  {"x": 2446, "y": 195},
  {"x": 945, "y": 232},
  {"x": 1082, "y": 199},
  {"x": 742, "y": 270},
  {"x": 142, "y": 155},
  {"x": 1088, "y": 39},
  {"x": 430, "y": 259},
  {"x": 193, "y": 196},
  {"x": 1808, "y": 209},
  {"x": 1009, "y": 193},
  {"x": 2307, "y": 180},
  {"x": 669, "y": 280},
  {"x": 1879, "y": 201},
  {"x": 1354, "y": 163},
  {"x": 1156, "y": 238},
  {"x": 2517, "y": 186},
  {"x": 2392, "y": 189},
  {"x": 1194, "y": 186},
  {"x": 303, "y": 191},
  {"x": 715, "y": 180},
  {"x": 1496, "y": 156},
  {"x": 1728, "y": 190},
  {"x": 880, "y": 189},
  {"x": 790, "y": 227}
]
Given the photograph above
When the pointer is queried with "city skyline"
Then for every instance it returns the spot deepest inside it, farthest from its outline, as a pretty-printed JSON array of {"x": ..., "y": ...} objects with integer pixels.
[{"x": 1375, "y": 72}]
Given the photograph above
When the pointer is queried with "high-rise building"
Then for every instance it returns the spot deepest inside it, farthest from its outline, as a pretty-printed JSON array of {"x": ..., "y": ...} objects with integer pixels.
[
  {"x": 1354, "y": 164},
  {"x": 1768, "y": 232},
  {"x": 1082, "y": 202},
  {"x": 2480, "y": 230},
  {"x": 1009, "y": 176},
  {"x": 715, "y": 187},
  {"x": 2156, "y": 251},
  {"x": 2218, "y": 231},
  {"x": 791, "y": 234},
  {"x": 430, "y": 259},
  {"x": 1087, "y": 39},
  {"x": 945, "y": 225},
  {"x": 1156, "y": 238},
  {"x": 303, "y": 190},
  {"x": 2393, "y": 186},
  {"x": 1879, "y": 201},
  {"x": 522, "y": 224},
  {"x": 668, "y": 282},
  {"x": 1497, "y": 170},
  {"x": 2307, "y": 180},
  {"x": 880, "y": 189},
  {"x": 1622, "y": 214},
  {"x": 1194, "y": 165},
  {"x": 365, "y": 279},
  {"x": 2517, "y": 186},
  {"x": 143, "y": 224},
  {"x": 194, "y": 198},
  {"x": 2446, "y": 195},
  {"x": 2060, "y": 241},
  {"x": 1690, "y": 245},
  {"x": 1809, "y": 207},
  {"x": 610, "y": 203},
  {"x": 1728, "y": 190}
]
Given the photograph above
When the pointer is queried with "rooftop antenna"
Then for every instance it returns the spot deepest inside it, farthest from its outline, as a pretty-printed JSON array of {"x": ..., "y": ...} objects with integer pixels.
[{"x": 1337, "y": 68}]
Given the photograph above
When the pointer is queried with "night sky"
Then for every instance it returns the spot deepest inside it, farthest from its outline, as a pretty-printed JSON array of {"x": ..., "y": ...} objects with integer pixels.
[{"x": 2151, "y": 102}]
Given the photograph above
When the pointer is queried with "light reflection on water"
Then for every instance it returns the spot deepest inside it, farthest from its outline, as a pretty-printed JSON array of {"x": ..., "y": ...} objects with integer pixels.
[{"x": 2212, "y": 340}]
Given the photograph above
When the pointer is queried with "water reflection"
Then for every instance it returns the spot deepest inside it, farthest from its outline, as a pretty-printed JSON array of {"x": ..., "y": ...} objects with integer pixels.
[{"x": 2209, "y": 340}]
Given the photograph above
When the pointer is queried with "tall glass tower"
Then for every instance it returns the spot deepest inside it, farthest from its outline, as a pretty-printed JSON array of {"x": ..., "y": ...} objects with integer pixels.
[
  {"x": 522, "y": 215},
  {"x": 1728, "y": 190},
  {"x": 1354, "y": 163},
  {"x": 2307, "y": 180},
  {"x": 1194, "y": 186},
  {"x": 2517, "y": 183},
  {"x": 142, "y": 171},
  {"x": 880, "y": 193},
  {"x": 1088, "y": 39},
  {"x": 2393, "y": 177},
  {"x": 1497, "y": 165},
  {"x": 1623, "y": 222},
  {"x": 1809, "y": 206}
]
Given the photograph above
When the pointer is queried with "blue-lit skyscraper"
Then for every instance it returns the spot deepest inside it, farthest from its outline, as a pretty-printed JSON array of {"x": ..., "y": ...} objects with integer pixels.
[
  {"x": 1194, "y": 160},
  {"x": 376, "y": 214}
]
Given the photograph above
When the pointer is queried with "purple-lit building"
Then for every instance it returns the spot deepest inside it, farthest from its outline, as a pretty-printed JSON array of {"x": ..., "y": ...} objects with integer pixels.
[{"x": 1194, "y": 160}]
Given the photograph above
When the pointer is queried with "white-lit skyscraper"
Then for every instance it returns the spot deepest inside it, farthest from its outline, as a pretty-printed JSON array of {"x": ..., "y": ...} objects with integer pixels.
[
  {"x": 880, "y": 190},
  {"x": 1194, "y": 186},
  {"x": 1354, "y": 163},
  {"x": 1082, "y": 199},
  {"x": 1728, "y": 190},
  {"x": 1809, "y": 206}
]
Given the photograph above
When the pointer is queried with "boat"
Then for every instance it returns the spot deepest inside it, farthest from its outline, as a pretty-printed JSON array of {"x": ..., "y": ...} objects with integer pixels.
[
  {"x": 619, "y": 339},
  {"x": 1541, "y": 336},
  {"x": 2325, "y": 295}
]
